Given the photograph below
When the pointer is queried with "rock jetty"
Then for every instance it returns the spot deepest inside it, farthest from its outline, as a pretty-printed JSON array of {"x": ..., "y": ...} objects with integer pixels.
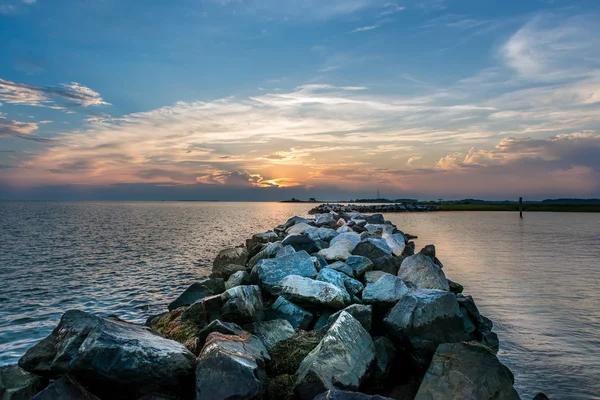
[
  {"x": 371, "y": 208},
  {"x": 339, "y": 306}
]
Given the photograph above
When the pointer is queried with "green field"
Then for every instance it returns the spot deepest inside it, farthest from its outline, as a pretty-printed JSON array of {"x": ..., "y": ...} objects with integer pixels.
[{"x": 526, "y": 207}]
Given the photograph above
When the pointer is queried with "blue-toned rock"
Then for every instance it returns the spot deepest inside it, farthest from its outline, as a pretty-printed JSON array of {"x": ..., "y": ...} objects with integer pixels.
[
  {"x": 420, "y": 272},
  {"x": 352, "y": 237},
  {"x": 341, "y": 267},
  {"x": 385, "y": 292},
  {"x": 347, "y": 395},
  {"x": 272, "y": 332},
  {"x": 310, "y": 293},
  {"x": 362, "y": 313},
  {"x": 359, "y": 265},
  {"x": 297, "y": 316},
  {"x": 335, "y": 278},
  {"x": 372, "y": 248},
  {"x": 302, "y": 242},
  {"x": 197, "y": 291},
  {"x": 242, "y": 305},
  {"x": 271, "y": 271}
]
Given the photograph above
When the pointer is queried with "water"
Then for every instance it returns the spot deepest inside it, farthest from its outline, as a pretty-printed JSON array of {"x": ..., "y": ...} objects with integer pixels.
[{"x": 537, "y": 279}]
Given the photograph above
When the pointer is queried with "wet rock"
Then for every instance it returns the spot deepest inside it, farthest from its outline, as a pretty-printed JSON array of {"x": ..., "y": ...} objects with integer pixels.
[
  {"x": 230, "y": 367},
  {"x": 342, "y": 267},
  {"x": 297, "y": 316},
  {"x": 242, "y": 305},
  {"x": 285, "y": 251},
  {"x": 466, "y": 371},
  {"x": 362, "y": 313},
  {"x": 359, "y": 265},
  {"x": 486, "y": 323},
  {"x": 375, "y": 219},
  {"x": 322, "y": 234},
  {"x": 300, "y": 229},
  {"x": 395, "y": 241},
  {"x": 272, "y": 271},
  {"x": 352, "y": 237},
  {"x": 335, "y": 278},
  {"x": 269, "y": 251},
  {"x": 105, "y": 353},
  {"x": 287, "y": 355},
  {"x": 260, "y": 239},
  {"x": 353, "y": 287},
  {"x": 226, "y": 271},
  {"x": 325, "y": 219},
  {"x": 490, "y": 339},
  {"x": 541, "y": 396},
  {"x": 372, "y": 248},
  {"x": 18, "y": 384},
  {"x": 373, "y": 276},
  {"x": 455, "y": 287},
  {"x": 226, "y": 328},
  {"x": 319, "y": 262},
  {"x": 310, "y": 293},
  {"x": 341, "y": 360},
  {"x": 232, "y": 255},
  {"x": 385, "y": 354},
  {"x": 197, "y": 291},
  {"x": 65, "y": 388},
  {"x": 428, "y": 251},
  {"x": 239, "y": 278},
  {"x": 339, "y": 251},
  {"x": 272, "y": 332},
  {"x": 422, "y": 319},
  {"x": 422, "y": 273},
  {"x": 387, "y": 264},
  {"x": 296, "y": 220},
  {"x": 302, "y": 242},
  {"x": 385, "y": 292},
  {"x": 346, "y": 395}
]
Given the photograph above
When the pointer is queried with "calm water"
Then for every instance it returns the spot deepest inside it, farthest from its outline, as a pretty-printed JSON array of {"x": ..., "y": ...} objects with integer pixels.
[{"x": 537, "y": 279}]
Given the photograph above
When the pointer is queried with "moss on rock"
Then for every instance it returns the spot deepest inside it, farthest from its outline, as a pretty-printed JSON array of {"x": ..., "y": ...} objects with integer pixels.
[
  {"x": 287, "y": 355},
  {"x": 281, "y": 387}
]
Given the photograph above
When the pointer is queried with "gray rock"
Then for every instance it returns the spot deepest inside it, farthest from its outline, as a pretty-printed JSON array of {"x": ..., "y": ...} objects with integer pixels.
[
  {"x": 18, "y": 384},
  {"x": 541, "y": 396},
  {"x": 325, "y": 219},
  {"x": 373, "y": 276},
  {"x": 362, "y": 313},
  {"x": 100, "y": 352},
  {"x": 395, "y": 241},
  {"x": 302, "y": 242},
  {"x": 322, "y": 234},
  {"x": 272, "y": 332},
  {"x": 237, "y": 279},
  {"x": 387, "y": 264},
  {"x": 232, "y": 255},
  {"x": 319, "y": 262},
  {"x": 455, "y": 287},
  {"x": 385, "y": 354},
  {"x": 352, "y": 237},
  {"x": 490, "y": 339},
  {"x": 225, "y": 271},
  {"x": 375, "y": 219},
  {"x": 230, "y": 367},
  {"x": 261, "y": 238},
  {"x": 353, "y": 287},
  {"x": 271, "y": 271},
  {"x": 422, "y": 273},
  {"x": 341, "y": 360},
  {"x": 242, "y": 305},
  {"x": 226, "y": 328},
  {"x": 372, "y": 248},
  {"x": 300, "y": 229},
  {"x": 346, "y": 395},
  {"x": 65, "y": 388},
  {"x": 342, "y": 267},
  {"x": 466, "y": 371},
  {"x": 297, "y": 316},
  {"x": 323, "y": 320},
  {"x": 335, "y": 278},
  {"x": 197, "y": 291},
  {"x": 311, "y": 293},
  {"x": 385, "y": 292},
  {"x": 359, "y": 265},
  {"x": 422, "y": 319},
  {"x": 270, "y": 251},
  {"x": 339, "y": 251},
  {"x": 296, "y": 220},
  {"x": 285, "y": 251}
]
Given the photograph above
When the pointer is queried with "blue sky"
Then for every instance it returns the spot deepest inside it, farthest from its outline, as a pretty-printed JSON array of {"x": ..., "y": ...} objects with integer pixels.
[{"x": 267, "y": 99}]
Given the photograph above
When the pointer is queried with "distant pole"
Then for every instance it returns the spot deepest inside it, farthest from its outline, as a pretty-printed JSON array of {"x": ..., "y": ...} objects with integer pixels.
[{"x": 521, "y": 207}]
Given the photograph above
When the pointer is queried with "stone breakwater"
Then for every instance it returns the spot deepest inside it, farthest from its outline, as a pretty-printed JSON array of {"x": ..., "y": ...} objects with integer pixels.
[
  {"x": 339, "y": 306},
  {"x": 371, "y": 208}
]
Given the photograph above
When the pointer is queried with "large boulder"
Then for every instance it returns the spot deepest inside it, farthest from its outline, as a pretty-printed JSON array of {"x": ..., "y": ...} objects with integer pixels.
[
  {"x": 230, "y": 367},
  {"x": 352, "y": 237},
  {"x": 466, "y": 371},
  {"x": 226, "y": 270},
  {"x": 258, "y": 239},
  {"x": 359, "y": 265},
  {"x": 338, "y": 251},
  {"x": 65, "y": 388},
  {"x": 297, "y": 220},
  {"x": 361, "y": 312},
  {"x": 18, "y": 384},
  {"x": 231, "y": 255},
  {"x": 242, "y": 305},
  {"x": 270, "y": 251},
  {"x": 341, "y": 267},
  {"x": 199, "y": 290},
  {"x": 322, "y": 235},
  {"x": 342, "y": 360},
  {"x": 287, "y": 355},
  {"x": 303, "y": 242},
  {"x": 272, "y": 332},
  {"x": 422, "y": 319},
  {"x": 395, "y": 241},
  {"x": 271, "y": 271},
  {"x": 347, "y": 395},
  {"x": 238, "y": 279},
  {"x": 372, "y": 248},
  {"x": 385, "y": 354},
  {"x": 328, "y": 219},
  {"x": 422, "y": 273},
  {"x": 285, "y": 251},
  {"x": 105, "y": 353},
  {"x": 384, "y": 292},
  {"x": 389, "y": 264},
  {"x": 297, "y": 316},
  {"x": 374, "y": 276},
  {"x": 374, "y": 219},
  {"x": 335, "y": 278},
  {"x": 310, "y": 293}
]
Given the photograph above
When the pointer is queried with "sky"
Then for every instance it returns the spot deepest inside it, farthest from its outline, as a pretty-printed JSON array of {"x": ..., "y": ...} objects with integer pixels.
[{"x": 273, "y": 99}]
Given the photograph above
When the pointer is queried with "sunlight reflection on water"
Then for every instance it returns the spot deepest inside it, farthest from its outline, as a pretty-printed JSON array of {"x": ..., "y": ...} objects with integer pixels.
[{"x": 537, "y": 279}]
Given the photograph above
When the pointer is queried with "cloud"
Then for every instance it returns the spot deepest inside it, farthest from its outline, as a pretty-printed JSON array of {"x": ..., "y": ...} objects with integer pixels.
[
  {"x": 413, "y": 160},
  {"x": 391, "y": 8},
  {"x": 60, "y": 97},
  {"x": 371, "y": 27},
  {"x": 21, "y": 130},
  {"x": 551, "y": 48},
  {"x": 7, "y": 9}
]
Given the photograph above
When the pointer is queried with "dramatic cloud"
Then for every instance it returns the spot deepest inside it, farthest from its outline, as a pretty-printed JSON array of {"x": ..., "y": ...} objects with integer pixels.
[
  {"x": 61, "y": 97},
  {"x": 21, "y": 130}
]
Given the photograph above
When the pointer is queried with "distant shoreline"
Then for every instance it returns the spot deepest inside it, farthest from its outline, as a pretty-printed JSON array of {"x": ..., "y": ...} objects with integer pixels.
[{"x": 526, "y": 207}]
